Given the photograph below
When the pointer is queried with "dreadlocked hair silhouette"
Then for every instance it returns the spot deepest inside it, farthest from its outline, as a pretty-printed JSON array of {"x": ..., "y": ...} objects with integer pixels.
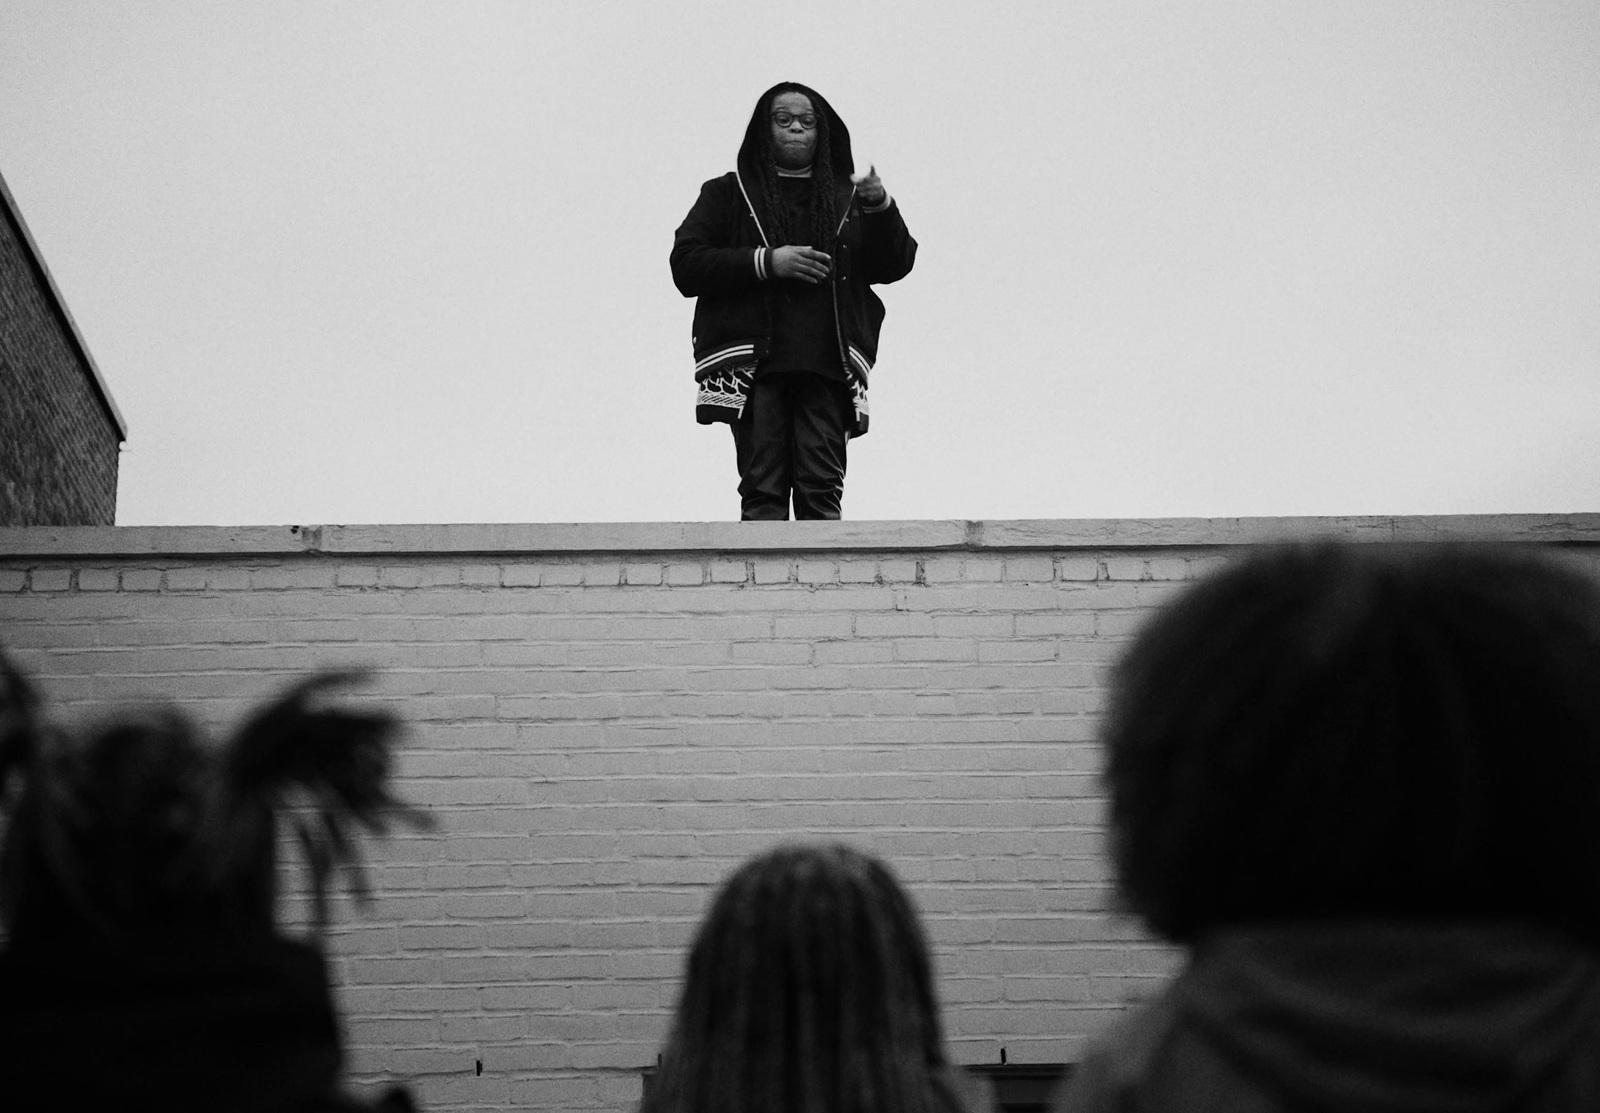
[
  {"x": 808, "y": 990},
  {"x": 822, "y": 211},
  {"x": 145, "y": 832}
]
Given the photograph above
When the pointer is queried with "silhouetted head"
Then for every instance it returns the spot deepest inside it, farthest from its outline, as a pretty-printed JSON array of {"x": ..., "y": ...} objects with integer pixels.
[
  {"x": 137, "y": 888},
  {"x": 143, "y": 833},
  {"x": 1381, "y": 730},
  {"x": 809, "y": 989}
]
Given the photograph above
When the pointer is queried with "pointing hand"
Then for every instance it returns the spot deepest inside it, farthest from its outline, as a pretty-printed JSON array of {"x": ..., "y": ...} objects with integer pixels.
[{"x": 869, "y": 187}]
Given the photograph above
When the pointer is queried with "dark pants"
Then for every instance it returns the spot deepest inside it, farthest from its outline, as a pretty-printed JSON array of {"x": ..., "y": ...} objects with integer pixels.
[{"x": 791, "y": 438}]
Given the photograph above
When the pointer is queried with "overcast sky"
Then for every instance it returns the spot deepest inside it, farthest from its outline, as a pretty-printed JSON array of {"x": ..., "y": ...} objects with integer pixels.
[{"x": 405, "y": 262}]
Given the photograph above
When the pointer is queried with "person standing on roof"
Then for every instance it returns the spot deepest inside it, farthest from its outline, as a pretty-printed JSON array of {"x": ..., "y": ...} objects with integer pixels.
[{"x": 781, "y": 255}]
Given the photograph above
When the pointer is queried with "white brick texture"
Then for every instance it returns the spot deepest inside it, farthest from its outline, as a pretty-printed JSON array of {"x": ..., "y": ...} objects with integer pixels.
[{"x": 603, "y": 736}]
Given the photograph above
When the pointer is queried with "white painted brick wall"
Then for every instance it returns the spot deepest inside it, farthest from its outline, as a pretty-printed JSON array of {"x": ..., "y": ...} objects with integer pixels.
[{"x": 602, "y": 736}]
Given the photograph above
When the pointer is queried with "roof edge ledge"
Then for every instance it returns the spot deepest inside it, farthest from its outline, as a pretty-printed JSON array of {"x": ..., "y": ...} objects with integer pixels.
[{"x": 986, "y": 535}]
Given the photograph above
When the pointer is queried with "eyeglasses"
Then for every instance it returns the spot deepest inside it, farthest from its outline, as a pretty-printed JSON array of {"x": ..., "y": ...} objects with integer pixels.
[{"x": 808, "y": 120}]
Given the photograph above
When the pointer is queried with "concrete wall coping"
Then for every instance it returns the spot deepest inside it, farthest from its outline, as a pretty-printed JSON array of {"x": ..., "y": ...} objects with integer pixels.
[{"x": 57, "y": 542}]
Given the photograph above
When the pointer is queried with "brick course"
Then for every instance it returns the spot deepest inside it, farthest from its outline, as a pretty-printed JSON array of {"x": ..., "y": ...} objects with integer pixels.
[{"x": 604, "y": 734}]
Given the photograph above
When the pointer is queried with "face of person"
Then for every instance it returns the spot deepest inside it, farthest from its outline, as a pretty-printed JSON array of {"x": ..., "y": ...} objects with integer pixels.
[{"x": 793, "y": 144}]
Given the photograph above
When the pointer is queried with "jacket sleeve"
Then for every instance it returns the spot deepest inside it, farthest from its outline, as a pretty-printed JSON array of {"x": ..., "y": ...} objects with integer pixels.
[
  {"x": 704, "y": 261},
  {"x": 887, "y": 249}
]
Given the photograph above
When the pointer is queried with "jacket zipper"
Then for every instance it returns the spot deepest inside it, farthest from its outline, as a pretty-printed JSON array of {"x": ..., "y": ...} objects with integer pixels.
[{"x": 833, "y": 290}]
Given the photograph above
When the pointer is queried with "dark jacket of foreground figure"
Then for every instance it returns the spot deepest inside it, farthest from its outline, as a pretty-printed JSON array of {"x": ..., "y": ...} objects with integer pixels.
[
  {"x": 722, "y": 253},
  {"x": 245, "y": 1028},
  {"x": 1361, "y": 1018}
]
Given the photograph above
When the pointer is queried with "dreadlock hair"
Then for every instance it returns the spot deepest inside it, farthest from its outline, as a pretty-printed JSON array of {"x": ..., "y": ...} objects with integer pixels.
[
  {"x": 822, "y": 213},
  {"x": 809, "y": 989},
  {"x": 1327, "y": 731},
  {"x": 142, "y": 833}
]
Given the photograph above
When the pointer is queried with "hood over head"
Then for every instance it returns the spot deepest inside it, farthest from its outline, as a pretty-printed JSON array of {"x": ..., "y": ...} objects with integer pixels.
[
  {"x": 1385, "y": 1017},
  {"x": 758, "y": 134}
]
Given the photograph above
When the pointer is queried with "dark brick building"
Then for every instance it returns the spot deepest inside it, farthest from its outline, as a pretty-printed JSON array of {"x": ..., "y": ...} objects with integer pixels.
[{"x": 60, "y": 432}]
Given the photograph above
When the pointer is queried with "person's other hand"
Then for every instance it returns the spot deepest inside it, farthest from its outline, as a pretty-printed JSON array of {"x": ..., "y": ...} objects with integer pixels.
[
  {"x": 805, "y": 263},
  {"x": 869, "y": 187}
]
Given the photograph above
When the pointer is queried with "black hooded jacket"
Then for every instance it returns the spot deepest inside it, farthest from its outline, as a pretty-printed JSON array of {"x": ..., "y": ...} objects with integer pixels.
[{"x": 722, "y": 255}]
